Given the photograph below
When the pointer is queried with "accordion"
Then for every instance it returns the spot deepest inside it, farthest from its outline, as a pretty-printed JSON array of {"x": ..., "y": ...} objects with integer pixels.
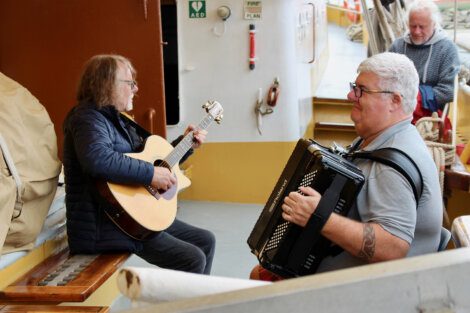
[{"x": 290, "y": 250}]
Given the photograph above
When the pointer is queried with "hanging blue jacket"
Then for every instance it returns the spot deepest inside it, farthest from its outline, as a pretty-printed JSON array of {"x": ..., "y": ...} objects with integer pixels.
[{"x": 428, "y": 99}]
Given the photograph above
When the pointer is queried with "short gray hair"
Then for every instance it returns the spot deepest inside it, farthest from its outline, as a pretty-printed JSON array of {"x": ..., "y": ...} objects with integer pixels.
[
  {"x": 397, "y": 73},
  {"x": 425, "y": 5}
]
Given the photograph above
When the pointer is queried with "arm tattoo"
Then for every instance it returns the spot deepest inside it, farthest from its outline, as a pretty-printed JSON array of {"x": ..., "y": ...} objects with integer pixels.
[{"x": 368, "y": 243}]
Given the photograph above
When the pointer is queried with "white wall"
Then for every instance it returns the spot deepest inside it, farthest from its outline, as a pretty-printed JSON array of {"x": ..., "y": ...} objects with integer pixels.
[{"x": 215, "y": 67}]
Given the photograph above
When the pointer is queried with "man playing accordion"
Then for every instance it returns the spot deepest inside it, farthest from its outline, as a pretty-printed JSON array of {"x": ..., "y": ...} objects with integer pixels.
[{"x": 387, "y": 221}]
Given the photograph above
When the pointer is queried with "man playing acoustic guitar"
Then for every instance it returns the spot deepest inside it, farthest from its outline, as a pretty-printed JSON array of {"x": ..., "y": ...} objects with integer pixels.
[{"x": 97, "y": 139}]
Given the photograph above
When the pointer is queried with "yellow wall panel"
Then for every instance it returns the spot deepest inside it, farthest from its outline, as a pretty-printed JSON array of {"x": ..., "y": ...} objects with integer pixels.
[{"x": 244, "y": 172}]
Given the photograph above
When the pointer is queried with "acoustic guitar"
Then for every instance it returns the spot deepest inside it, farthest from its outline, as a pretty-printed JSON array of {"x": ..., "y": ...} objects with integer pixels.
[{"x": 142, "y": 210}]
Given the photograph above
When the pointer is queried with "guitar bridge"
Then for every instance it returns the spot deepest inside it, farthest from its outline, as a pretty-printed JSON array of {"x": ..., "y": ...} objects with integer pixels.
[{"x": 154, "y": 192}]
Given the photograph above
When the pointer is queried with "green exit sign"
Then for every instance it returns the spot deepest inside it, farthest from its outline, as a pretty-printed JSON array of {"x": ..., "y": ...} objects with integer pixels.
[{"x": 197, "y": 9}]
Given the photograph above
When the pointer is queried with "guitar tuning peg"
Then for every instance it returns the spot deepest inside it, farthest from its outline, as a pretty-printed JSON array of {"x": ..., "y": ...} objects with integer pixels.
[
  {"x": 208, "y": 105},
  {"x": 219, "y": 118}
]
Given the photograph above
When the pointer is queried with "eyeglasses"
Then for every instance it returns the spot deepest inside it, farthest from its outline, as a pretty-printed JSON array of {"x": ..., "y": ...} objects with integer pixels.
[
  {"x": 131, "y": 83},
  {"x": 359, "y": 90}
]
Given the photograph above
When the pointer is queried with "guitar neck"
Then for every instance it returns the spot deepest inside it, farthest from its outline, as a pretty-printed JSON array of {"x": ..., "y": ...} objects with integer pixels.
[{"x": 186, "y": 143}]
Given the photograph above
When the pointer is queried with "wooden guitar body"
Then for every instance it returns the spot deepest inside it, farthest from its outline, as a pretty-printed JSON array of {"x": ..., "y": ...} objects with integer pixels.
[{"x": 155, "y": 212}]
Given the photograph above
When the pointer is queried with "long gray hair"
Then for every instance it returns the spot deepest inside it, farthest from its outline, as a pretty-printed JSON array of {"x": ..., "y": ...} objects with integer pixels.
[{"x": 98, "y": 80}]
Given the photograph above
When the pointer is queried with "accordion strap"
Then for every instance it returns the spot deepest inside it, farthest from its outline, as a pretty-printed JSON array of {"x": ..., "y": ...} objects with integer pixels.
[
  {"x": 398, "y": 160},
  {"x": 401, "y": 162},
  {"x": 311, "y": 232},
  {"x": 395, "y": 158}
]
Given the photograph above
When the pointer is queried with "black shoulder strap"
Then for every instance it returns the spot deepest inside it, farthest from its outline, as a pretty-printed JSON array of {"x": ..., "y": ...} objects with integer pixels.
[
  {"x": 401, "y": 162},
  {"x": 139, "y": 129},
  {"x": 398, "y": 160}
]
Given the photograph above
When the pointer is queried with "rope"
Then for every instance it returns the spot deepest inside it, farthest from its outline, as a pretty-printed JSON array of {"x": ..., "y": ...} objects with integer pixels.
[
  {"x": 439, "y": 156},
  {"x": 443, "y": 154},
  {"x": 449, "y": 151},
  {"x": 427, "y": 128},
  {"x": 354, "y": 32}
]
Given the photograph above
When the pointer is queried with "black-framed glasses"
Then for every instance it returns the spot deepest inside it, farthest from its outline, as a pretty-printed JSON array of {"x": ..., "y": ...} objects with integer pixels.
[
  {"x": 131, "y": 83},
  {"x": 359, "y": 90}
]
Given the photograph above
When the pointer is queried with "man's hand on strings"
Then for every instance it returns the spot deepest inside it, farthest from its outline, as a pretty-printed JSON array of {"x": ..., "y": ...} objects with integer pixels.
[{"x": 198, "y": 134}]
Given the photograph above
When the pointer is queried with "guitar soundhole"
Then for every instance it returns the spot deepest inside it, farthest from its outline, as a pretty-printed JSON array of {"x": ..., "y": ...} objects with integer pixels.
[
  {"x": 162, "y": 163},
  {"x": 157, "y": 193}
]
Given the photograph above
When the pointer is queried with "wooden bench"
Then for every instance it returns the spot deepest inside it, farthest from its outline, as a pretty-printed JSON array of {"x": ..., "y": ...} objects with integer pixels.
[
  {"x": 49, "y": 275},
  {"x": 63, "y": 278},
  {"x": 52, "y": 308},
  {"x": 457, "y": 179}
]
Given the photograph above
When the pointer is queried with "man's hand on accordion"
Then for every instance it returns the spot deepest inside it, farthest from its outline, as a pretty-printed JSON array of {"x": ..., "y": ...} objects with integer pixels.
[{"x": 298, "y": 208}]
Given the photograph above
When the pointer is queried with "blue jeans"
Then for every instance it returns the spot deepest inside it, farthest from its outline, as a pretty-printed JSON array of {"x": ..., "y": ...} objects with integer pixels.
[{"x": 181, "y": 247}]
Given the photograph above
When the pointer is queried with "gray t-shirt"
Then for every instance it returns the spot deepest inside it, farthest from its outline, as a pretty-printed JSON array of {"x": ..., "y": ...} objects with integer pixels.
[{"x": 387, "y": 197}]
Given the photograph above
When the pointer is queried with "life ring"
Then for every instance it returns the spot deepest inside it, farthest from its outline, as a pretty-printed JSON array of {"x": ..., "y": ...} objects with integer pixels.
[{"x": 352, "y": 16}]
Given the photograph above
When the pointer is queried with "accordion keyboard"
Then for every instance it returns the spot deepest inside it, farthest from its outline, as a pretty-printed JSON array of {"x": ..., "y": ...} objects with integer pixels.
[
  {"x": 278, "y": 235},
  {"x": 282, "y": 227}
]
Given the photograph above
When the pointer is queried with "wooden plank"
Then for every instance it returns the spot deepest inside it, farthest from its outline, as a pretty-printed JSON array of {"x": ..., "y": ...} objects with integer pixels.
[
  {"x": 52, "y": 308},
  {"x": 456, "y": 177},
  {"x": 78, "y": 289},
  {"x": 332, "y": 101},
  {"x": 334, "y": 126},
  {"x": 457, "y": 180}
]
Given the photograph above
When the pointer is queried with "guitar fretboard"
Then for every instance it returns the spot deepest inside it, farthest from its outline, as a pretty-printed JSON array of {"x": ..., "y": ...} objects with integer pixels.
[{"x": 186, "y": 143}]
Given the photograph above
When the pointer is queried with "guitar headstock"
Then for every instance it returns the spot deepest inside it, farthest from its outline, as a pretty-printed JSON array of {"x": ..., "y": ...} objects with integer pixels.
[{"x": 215, "y": 109}]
